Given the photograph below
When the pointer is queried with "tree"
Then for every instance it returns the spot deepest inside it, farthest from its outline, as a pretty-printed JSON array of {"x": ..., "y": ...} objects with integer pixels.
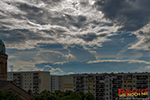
[
  {"x": 81, "y": 93},
  {"x": 68, "y": 92},
  {"x": 9, "y": 95},
  {"x": 72, "y": 96},
  {"x": 45, "y": 95},
  {"x": 89, "y": 96},
  {"x": 60, "y": 95}
]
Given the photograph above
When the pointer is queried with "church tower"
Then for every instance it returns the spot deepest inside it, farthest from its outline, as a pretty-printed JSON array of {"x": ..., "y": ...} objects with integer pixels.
[{"x": 3, "y": 62}]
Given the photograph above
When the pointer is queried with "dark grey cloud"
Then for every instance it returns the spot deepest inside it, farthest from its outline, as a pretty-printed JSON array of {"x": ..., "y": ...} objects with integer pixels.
[
  {"x": 77, "y": 21},
  {"x": 27, "y": 25},
  {"x": 102, "y": 30},
  {"x": 52, "y": 2},
  {"x": 146, "y": 40},
  {"x": 131, "y": 14},
  {"x": 144, "y": 33},
  {"x": 19, "y": 35},
  {"x": 90, "y": 36},
  {"x": 34, "y": 13},
  {"x": 84, "y": 3},
  {"x": 42, "y": 16},
  {"x": 44, "y": 23}
]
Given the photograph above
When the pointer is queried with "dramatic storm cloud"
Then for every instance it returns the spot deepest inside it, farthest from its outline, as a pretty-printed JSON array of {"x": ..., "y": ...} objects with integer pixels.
[
  {"x": 130, "y": 15},
  {"x": 57, "y": 33}
]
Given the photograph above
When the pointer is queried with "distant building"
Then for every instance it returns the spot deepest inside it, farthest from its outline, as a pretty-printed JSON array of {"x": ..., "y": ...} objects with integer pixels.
[
  {"x": 9, "y": 85},
  {"x": 68, "y": 83},
  {"x": 37, "y": 80},
  {"x": 61, "y": 82},
  {"x": 54, "y": 83}
]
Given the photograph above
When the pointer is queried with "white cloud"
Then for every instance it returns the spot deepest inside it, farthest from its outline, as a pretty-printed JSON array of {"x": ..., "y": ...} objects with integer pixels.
[
  {"x": 67, "y": 19},
  {"x": 146, "y": 68},
  {"x": 143, "y": 38},
  {"x": 71, "y": 73},
  {"x": 129, "y": 61},
  {"x": 53, "y": 69}
]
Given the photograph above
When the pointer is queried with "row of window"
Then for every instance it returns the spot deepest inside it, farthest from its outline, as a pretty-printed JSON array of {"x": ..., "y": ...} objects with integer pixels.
[
  {"x": 129, "y": 85},
  {"x": 28, "y": 83},
  {"x": 24, "y": 74}
]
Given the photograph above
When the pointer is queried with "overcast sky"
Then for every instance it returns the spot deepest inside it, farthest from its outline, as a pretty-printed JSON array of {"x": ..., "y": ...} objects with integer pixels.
[{"x": 76, "y": 36}]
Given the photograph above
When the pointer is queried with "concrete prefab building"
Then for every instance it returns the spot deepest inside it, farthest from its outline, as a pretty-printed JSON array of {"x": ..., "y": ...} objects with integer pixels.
[{"x": 38, "y": 81}]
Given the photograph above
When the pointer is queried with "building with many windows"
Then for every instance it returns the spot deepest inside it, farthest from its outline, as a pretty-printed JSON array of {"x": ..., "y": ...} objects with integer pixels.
[
  {"x": 105, "y": 86},
  {"x": 54, "y": 83},
  {"x": 61, "y": 82},
  {"x": 36, "y": 80}
]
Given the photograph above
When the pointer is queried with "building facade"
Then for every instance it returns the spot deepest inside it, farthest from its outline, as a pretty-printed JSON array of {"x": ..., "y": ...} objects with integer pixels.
[
  {"x": 105, "y": 86},
  {"x": 61, "y": 82},
  {"x": 54, "y": 83},
  {"x": 38, "y": 81}
]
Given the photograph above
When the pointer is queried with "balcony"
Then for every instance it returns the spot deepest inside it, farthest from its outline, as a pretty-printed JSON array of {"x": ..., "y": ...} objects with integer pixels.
[
  {"x": 100, "y": 91},
  {"x": 116, "y": 87},
  {"x": 141, "y": 83},
  {"x": 117, "y": 79},
  {"x": 100, "y": 87},
  {"x": 142, "y": 78},
  {"x": 80, "y": 83},
  {"x": 79, "y": 87},
  {"x": 141, "y": 87},
  {"x": 100, "y": 79},
  {"x": 35, "y": 74},
  {"x": 99, "y": 83},
  {"x": 100, "y": 95},
  {"x": 117, "y": 83},
  {"x": 35, "y": 77},
  {"x": 79, "y": 79}
]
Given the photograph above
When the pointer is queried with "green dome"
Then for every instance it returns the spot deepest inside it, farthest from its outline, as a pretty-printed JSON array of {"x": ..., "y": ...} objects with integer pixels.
[{"x": 2, "y": 47}]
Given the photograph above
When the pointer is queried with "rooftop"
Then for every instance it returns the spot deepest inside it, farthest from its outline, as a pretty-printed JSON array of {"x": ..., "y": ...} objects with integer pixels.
[{"x": 29, "y": 72}]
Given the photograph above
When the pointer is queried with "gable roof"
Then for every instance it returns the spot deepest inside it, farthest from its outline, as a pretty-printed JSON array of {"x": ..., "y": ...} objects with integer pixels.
[{"x": 9, "y": 85}]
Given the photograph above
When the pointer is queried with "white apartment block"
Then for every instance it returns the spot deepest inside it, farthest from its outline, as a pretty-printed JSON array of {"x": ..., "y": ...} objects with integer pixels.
[
  {"x": 38, "y": 81},
  {"x": 54, "y": 83}
]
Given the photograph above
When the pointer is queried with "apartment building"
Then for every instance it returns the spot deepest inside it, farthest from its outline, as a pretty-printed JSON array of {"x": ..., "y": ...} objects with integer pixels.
[
  {"x": 68, "y": 83},
  {"x": 96, "y": 84},
  {"x": 137, "y": 81},
  {"x": 54, "y": 83},
  {"x": 37, "y": 81},
  {"x": 116, "y": 83},
  {"x": 105, "y": 86},
  {"x": 61, "y": 82}
]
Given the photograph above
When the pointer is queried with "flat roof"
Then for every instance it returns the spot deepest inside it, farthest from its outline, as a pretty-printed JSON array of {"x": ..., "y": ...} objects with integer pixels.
[
  {"x": 111, "y": 74},
  {"x": 29, "y": 72}
]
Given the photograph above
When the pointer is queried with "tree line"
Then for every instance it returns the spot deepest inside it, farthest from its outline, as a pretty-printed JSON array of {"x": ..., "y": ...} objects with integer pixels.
[{"x": 47, "y": 95}]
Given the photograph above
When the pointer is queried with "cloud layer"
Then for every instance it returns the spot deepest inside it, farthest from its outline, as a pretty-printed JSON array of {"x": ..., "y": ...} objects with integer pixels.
[{"x": 81, "y": 31}]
